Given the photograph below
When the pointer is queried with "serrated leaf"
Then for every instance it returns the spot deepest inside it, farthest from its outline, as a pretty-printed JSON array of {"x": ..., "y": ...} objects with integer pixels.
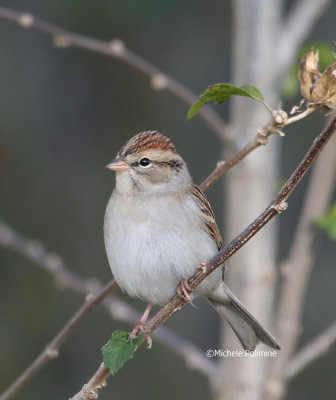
[
  {"x": 222, "y": 92},
  {"x": 119, "y": 349},
  {"x": 328, "y": 222}
]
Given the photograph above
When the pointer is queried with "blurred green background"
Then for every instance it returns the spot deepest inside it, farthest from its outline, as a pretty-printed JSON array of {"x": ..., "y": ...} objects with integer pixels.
[{"x": 64, "y": 114}]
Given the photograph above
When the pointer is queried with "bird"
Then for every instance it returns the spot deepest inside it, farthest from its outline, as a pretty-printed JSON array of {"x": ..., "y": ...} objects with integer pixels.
[{"x": 159, "y": 227}]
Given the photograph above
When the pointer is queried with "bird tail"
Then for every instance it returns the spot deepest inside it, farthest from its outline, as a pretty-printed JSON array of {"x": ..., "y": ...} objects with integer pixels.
[{"x": 248, "y": 330}]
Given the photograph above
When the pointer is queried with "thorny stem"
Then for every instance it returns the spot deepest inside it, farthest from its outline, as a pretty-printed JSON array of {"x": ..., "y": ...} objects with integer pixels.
[{"x": 277, "y": 206}]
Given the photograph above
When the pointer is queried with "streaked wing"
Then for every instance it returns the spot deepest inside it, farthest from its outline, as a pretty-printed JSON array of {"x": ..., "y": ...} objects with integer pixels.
[{"x": 210, "y": 225}]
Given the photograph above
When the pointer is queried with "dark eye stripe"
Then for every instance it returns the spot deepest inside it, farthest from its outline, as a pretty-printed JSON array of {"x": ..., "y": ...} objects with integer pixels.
[{"x": 175, "y": 164}]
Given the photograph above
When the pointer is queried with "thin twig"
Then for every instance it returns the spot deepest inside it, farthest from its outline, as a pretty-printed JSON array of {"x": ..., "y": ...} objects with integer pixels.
[
  {"x": 297, "y": 269},
  {"x": 312, "y": 351},
  {"x": 278, "y": 120},
  {"x": 51, "y": 262},
  {"x": 299, "y": 22},
  {"x": 277, "y": 206},
  {"x": 117, "y": 49},
  {"x": 300, "y": 116},
  {"x": 52, "y": 350}
]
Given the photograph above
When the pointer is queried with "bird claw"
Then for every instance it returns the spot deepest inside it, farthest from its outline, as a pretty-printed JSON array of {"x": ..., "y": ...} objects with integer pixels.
[
  {"x": 137, "y": 330},
  {"x": 184, "y": 291}
]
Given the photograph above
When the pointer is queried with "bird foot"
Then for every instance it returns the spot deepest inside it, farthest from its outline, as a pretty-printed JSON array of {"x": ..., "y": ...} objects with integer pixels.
[
  {"x": 184, "y": 291},
  {"x": 141, "y": 327},
  {"x": 137, "y": 330}
]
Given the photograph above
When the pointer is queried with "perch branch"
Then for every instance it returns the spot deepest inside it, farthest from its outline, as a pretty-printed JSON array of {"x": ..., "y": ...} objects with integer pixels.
[
  {"x": 52, "y": 350},
  {"x": 117, "y": 49},
  {"x": 52, "y": 262},
  {"x": 278, "y": 205}
]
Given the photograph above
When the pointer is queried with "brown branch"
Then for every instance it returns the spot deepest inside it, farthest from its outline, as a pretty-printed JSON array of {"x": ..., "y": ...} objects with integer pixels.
[
  {"x": 276, "y": 206},
  {"x": 52, "y": 262},
  {"x": 97, "y": 382},
  {"x": 278, "y": 120},
  {"x": 193, "y": 357},
  {"x": 297, "y": 269},
  {"x": 159, "y": 81},
  {"x": 117, "y": 49},
  {"x": 315, "y": 349},
  {"x": 52, "y": 350}
]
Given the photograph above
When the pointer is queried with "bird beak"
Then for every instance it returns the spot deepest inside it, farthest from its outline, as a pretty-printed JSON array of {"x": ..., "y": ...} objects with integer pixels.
[{"x": 118, "y": 165}]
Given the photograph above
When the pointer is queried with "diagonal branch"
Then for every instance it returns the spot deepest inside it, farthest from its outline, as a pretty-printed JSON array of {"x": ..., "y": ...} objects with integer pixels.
[
  {"x": 117, "y": 49},
  {"x": 315, "y": 349},
  {"x": 34, "y": 251},
  {"x": 276, "y": 206},
  {"x": 117, "y": 308},
  {"x": 296, "y": 27},
  {"x": 52, "y": 349},
  {"x": 278, "y": 120}
]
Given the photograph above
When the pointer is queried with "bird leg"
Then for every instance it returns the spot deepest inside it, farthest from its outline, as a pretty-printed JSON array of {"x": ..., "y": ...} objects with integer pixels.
[
  {"x": 140, "y": 327},
  {"x": 184, "y": 290}
]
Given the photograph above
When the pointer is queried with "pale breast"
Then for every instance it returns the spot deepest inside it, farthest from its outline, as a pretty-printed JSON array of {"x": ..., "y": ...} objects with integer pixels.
[{"x": 152, "y": 244}]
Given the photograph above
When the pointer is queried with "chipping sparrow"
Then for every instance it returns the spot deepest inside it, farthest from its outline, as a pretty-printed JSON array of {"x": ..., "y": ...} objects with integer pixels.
[{"x": 159, "y": 227}]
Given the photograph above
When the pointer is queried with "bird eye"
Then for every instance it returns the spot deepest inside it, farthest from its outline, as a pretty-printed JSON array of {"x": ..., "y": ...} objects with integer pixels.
[{"x": 144, "y": 162}]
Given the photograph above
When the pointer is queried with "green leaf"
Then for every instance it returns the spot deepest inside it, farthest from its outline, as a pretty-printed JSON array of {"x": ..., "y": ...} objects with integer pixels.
[
  {"x": 253, "y": 92},
  {"x": 328, "y": 222},
  {"x": 119, "y": 349},
  {"x": 222, "y": 92}
]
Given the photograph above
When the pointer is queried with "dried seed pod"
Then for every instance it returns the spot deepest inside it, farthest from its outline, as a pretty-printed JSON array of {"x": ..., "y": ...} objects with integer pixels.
[
  {"x": 308, "y": 73},
  {"x": 325, "y": 89}
]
